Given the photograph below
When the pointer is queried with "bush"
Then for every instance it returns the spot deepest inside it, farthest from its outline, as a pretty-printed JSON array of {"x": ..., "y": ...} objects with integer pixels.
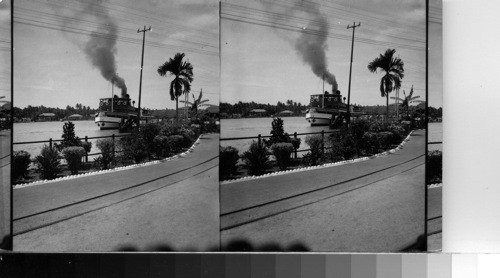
[
  {"x": 168, "y": 130},
  {"x": 107, "y": 155},
  {"x": 434, "y": 167},
  {"x": 175, "y": 142},
  {"x": 378, "y": 126},
  {"x": 21, "y": 161},
  {"x": 315, "y": 143},
  {"x": 148, "y": 132},
  {"x": 69, "y": 137},
  {"x": 281, "y": 152},
  {"x": 161, "y": 146},
  {"x": 48, "y": 163},
  {"x": 228, "y": 161},
  {"x": 370, "y": 143},
  {"x": 257, "y": 159},
  {"x": 398, "y": 133},
  {"x": 188, "y": 137},
  {"x": 278, "y": 134},
  {"x": 384, "y": 139},
  {"x": 87, "y": 146},
  {"x": 295, "y": 142},
  {"x": 132, "y": 147},
  {"x": 73, "y": 156}
]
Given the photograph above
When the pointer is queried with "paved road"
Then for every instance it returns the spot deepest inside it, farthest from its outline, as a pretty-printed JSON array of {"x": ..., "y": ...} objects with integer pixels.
[
  {"x": 174, "y": 203},
  {"x": 376, "y": 205},
  {"x": 5, "y": 140}
]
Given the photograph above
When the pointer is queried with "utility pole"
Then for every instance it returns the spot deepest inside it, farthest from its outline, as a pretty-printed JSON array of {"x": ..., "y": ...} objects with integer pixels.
[
  {"x": 140, "y": 80},
  {"x": 353, "y": 27}
]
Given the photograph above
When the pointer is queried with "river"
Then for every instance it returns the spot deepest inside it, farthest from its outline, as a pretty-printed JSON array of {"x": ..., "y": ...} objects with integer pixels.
[
  {"x": 231, "y": 128},
  {"x": 38, "y": 131}
]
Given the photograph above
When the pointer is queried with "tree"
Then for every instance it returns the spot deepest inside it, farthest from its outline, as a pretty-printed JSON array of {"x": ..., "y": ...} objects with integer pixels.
[
  {"x": 394, "y": 72},
  {"x": 197, "y": 103},
  {"x": 181, "y": 84},
  {"x": 408, "y": 100}
]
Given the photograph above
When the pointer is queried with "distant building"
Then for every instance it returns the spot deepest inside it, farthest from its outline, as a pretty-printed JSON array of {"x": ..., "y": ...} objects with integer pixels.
[
  {"x": 212, "y": 111},
  {"x": 257, "y": 113},
  {"x": 285, "y": 113},
  {"x": 47, "y": 117},
  {"x": 75, "y": 117}
]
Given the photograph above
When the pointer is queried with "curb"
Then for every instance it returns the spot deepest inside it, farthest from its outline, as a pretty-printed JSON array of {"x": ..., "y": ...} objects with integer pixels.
[
  {"x": 191, "y": 149},
  {"x": 350, "y": 161}
]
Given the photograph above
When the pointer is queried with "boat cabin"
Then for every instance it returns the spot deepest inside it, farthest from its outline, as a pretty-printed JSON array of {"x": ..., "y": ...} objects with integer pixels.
[
  {"x": 116, "y": 105},
  {"x": 334, "y": 101}
]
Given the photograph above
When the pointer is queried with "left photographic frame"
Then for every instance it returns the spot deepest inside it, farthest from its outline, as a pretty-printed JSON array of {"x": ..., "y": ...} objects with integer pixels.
[{"x": 116, "y": 106}]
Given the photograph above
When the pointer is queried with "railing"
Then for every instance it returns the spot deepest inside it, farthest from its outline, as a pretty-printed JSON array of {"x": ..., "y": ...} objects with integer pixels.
[
  {"x": 86, "y": 139},
  {"x": 295, "y": 135}
]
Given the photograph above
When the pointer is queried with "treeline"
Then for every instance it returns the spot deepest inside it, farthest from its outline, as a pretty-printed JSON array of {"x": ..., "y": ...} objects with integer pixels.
[
  {"x": 242, "y": 109},
  {"x": 32, "y": 113}
]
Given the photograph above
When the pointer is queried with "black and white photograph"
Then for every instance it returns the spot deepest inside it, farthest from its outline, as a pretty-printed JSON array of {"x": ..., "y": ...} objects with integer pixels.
[
  {"x": 5, "y": 125},
  {"x": 323, "y": 131},
  {"x": 116, "y": 125}
]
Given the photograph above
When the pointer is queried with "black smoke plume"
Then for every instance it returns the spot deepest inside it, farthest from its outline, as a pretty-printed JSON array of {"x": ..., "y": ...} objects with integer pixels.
[
  {"x": 311, "y": 47},
  {"x": 100, "y": 49}
]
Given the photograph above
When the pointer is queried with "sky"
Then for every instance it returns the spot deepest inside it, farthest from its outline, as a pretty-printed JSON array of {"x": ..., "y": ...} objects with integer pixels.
[
  {"x": 53, "y": 68},
  {"x": 261, "y": 60},
  {"x": 5, "y": 50}
]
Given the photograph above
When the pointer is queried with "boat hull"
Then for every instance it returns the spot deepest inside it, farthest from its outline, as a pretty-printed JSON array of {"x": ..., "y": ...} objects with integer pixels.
[
  {"x": 106, "y": 122},
  {"x": 318, "y": 119}
]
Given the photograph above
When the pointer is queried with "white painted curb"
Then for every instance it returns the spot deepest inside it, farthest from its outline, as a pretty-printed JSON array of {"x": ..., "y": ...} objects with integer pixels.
[
  {"x": 191, "y": 149},
  {"x": 307, "y": 168}
]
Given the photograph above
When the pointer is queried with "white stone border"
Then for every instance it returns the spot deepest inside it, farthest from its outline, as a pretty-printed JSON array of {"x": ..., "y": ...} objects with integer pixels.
[
  {"x": 434, "y": 185},
  {"x": 400, "y": 146},
  {"x": 191, "y": 149}
]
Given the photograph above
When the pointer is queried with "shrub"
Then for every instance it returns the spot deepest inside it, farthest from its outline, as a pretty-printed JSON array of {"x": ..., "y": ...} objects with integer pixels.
[
  {"x": 378, "y": 126},
  {"x": 175, "y": 142},
  {"x": 87, "y": 146},
  {"x": 188, "y": 137},
  {"x": 370, "y": 142},
  {"x": 348, "y": 146},
  {"x": 107, "y": 155},
  {"x": 228, "y": 161},
  {"x": 335, "y": 152},
  {"x": 73, "y": 156},
  {"x": 257, "y": 158},
  {"x": 148, "y": 133},
  {"x": 169, "y": 129},
  {"x": 161, "y": 146},
  {"x": 384, "y": 139},
  {"x": 278, "y": 134},
  {"x": 315, "y": 154},
  {"x": 69, "y": 137},
  {"x": 21, "y": 161},
  {"x": 398, "y": 133},
  {"x": 48, "y": 163},
  {"x": 132, "y": 147},
  {"x": 295, "y": 142},
  {"x": 281, "y": 152},
  {"x": 434, "y": 167}
]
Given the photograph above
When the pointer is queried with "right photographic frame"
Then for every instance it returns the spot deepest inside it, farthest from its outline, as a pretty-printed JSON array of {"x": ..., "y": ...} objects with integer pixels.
[{"x": 323, "y": 125}]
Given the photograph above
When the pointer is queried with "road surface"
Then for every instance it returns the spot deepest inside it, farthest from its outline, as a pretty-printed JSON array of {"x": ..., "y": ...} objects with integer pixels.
[
  {"x": 377, "y": 205},
  {"x": 174, "y": 204}
]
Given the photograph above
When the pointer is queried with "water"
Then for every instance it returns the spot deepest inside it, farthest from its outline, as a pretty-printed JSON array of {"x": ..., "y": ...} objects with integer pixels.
[
  {"x": 435, "y": 135},
  {"x": 38, "y": 131},
  {"x": 255, "y": 126}
]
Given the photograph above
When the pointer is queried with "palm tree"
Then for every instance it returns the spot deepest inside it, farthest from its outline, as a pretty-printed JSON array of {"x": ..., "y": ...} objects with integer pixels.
[
  {"x": 394, "y": 72},
  {"x": 197, "y": 102},
  {"x": 408, "y": 100},
  {"x": 181, "y": 84}
]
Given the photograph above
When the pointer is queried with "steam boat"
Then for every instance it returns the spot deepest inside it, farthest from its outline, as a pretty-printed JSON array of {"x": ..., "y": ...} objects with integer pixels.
[
  {"x": 328, "y": 109},
  {"x": 115, "y": 113}
]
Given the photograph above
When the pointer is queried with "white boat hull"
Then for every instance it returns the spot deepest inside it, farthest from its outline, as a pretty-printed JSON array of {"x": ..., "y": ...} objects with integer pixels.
[
  {"x": 315, "y": 118},
  {"x": 105, "y": 122}
]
